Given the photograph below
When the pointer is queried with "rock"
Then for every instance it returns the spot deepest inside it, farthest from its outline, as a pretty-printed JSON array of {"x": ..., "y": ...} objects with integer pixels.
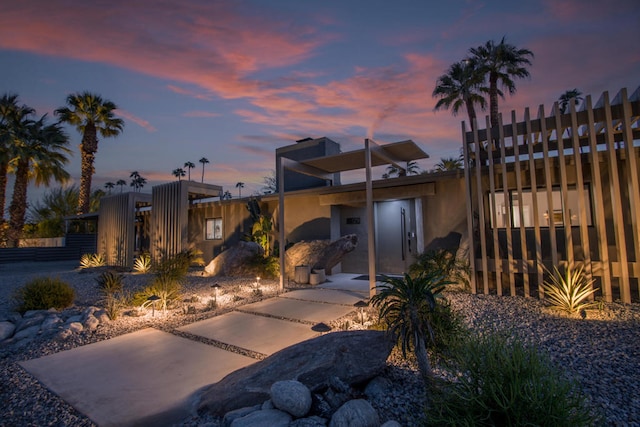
[
  {"x": 32, "y": 313},
  {"x": 377, "y": 388},
  {"x": 29, "y": 332},
  {"x": 266, "y": 418},
  {"x": 75, "y": 327},
  {"x": 353, "y": 356},
  {"x": 91, "y": 323},
  {"x": 6, "y": 330},
  {"x": 102, "y": 316},
  {"x": 391, "y": 423},
  {"x": 51, "y": 322},
  {"x": 74, "y": 319},
  {"x": 88, "y": 312},
  {"x": 292, "y": 397},
  {"x": 35, "y": 318},
  {"x": 313, "y": 421},
  {"x": 355, "y": 413},
  {"x": 268, "y": 404},
  {"x": 318, "y": 254},
  {"x": 230, "y": 416},
  {"x": 233, "y": 261},
  {"x": 64, "y": 334}
]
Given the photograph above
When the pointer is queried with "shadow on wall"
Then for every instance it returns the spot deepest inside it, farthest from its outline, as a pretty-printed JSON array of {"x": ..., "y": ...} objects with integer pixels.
[
  {"x": 450, "y": 242},
  {"x": 316, "y": 229}
]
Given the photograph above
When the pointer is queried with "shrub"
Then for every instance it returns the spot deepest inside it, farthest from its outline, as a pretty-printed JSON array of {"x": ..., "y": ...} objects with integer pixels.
[
  {"x": 167, "y": 282},
  {"x": 142, "y": 263},
  {"x": 110, "y": 286},
  {"x": 92, "y": 260},
  {"x": 455, "y": 269},
  {"x": 503, "y": 382},
  {"x": 265, "y": 267},
  {"x": 44, "y": 293},
  {"x": 567, "y": 293}
]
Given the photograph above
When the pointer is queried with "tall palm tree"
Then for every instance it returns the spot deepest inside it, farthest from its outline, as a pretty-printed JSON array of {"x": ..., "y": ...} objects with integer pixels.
[
  {"x": 204, "y": 161},
  {"x": 462, "y": 85},
  {"x": 500, "y": 63},
  {"x": 40, "y": 155},
  {"x": 566, "y": 98},
  {"x": 109, "y": 185},
  {"x": 178, "y": 173},
  {"x": 90, "y": 114},
  {"x": 12, "y": 121},
  {"x": 411, "y": 169},
  {"x": 189, "y": 166},
  {"x": 239, "y": 186},
  {"x": 121, "y": 183},
  {"x": 449, "y": 164},
  {"x": 137, "y": 181}
]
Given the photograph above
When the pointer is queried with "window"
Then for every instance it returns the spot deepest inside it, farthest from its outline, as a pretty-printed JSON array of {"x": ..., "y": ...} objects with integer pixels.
[
  {"x": 213, "y": 229},
  {"x": 544, "y": 216}
]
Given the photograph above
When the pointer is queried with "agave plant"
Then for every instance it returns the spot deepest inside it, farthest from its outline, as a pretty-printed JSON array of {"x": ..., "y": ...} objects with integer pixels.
[
  {"x": 406, "y": 305},
  {"x": 92, "y": 260},
  {"x": 568, "y": 292},
  {"x": 142, "y": 264}
]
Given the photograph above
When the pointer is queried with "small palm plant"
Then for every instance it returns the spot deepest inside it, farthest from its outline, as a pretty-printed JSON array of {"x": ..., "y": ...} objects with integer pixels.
[
  {"x": 142, "y": 263},
  {"x": 568, "y": 292},
  {"x": 406, "y": 305}
]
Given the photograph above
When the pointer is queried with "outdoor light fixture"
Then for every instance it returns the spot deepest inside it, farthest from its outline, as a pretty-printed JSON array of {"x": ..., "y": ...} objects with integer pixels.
[
  {"x": 153, "y": 299},
  {"x": 321, "y": 327},
  {"x": 361, "y": 305},
  {"x": 215, "y": 287},
  {"x": 258, "y": 282}
]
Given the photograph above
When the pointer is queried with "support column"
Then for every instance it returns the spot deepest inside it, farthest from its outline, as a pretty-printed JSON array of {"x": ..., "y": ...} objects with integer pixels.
[{"x": 371, "y": 231}]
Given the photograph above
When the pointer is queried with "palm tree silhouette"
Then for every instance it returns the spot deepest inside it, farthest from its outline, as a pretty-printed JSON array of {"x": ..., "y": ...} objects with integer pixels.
[
  {"x": 121, "y": 183},
  {"x": 189, "y": 166},
  {"x": 204, "y": 161},
  {"x": 178, "y": 173},
  {"x": 449, "y": 164},
  {"x": 109, "y": 185},
  {"x": 566, "y": 97},
  {"x": 240, "y": 186}
]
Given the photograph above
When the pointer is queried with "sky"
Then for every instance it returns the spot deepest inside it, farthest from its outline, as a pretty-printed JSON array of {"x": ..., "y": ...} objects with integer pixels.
[{"x": 234, "y": 80}]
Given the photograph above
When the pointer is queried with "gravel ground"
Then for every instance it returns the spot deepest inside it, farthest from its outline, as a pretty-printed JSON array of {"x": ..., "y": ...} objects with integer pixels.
[{"x": 602, "y": 351}]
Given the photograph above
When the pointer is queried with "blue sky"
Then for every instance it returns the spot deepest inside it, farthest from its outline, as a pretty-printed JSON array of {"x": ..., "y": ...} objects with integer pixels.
[{"x": 233, "y": 80}]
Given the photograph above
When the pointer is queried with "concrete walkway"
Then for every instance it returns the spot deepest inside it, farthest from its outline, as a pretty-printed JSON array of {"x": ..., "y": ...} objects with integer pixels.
[{"x": 150, "y": 377}]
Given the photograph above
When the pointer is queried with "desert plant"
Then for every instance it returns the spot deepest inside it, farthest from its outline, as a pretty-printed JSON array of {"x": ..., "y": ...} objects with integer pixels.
[
  {"x": 265, "y": 267},
  {"x": 169, "y": 275},
  {"x": 142, "y": 263},
  {"x": 92, "y": 260},
  {"x": 503, "y": 382},
  {"x": 568, "y": 292},
  {"x": 111, "y": 286},
  {"x": 44, "y": 293},
  {"x": 406, "y": 305},
  {"x": 454, "y": 268}
]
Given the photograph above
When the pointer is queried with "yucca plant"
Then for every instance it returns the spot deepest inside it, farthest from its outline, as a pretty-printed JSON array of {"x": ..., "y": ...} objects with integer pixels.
[
  {"x": 92, "y": 260},
  {"x": 568, "y": 292},
  {"x": 406, "y": 305},
  {"x": 142, "y": 263}
]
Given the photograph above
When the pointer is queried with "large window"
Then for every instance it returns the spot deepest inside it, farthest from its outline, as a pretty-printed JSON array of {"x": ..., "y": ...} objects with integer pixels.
[
  {"x": 213, "y": 229},
  {"x": 572, "y": 210}
]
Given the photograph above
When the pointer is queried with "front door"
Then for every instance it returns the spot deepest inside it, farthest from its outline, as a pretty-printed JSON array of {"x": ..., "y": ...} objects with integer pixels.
[{"x": 395, "y": 236}]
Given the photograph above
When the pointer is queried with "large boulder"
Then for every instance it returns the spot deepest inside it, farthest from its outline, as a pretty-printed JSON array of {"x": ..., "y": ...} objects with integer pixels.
[
  {"x": 353, "y": 356},
  {"x": 292, "y": 397},
  {"x": 318, "y": 254},
  {"x": 234, "y": 261}
]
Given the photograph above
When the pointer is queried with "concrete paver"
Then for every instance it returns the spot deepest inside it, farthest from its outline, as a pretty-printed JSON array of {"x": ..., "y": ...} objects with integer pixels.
[
  {"x": 265, "y": 335},
  {"x": 308, "y": 311},
  {"x": 135, "y": 378},
  {"x": 345, "y": 297}
]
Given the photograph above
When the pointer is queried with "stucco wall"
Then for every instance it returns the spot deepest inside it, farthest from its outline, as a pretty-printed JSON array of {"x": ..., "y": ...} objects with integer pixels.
[{"x": 445, "y": 211}]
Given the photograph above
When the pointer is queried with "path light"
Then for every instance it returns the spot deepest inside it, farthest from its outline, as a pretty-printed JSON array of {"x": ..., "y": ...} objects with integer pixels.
[
  {"x": 258, "y": 283},
  {"x": 321, "y": 327},
  {"x": 154, "y": 299},
  {"x": 361, "y": 305},
  {"x": 215, "y": 287}
]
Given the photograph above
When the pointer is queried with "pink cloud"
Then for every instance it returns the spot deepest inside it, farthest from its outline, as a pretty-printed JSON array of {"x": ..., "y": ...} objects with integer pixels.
[{"x": 137, "y": 120}]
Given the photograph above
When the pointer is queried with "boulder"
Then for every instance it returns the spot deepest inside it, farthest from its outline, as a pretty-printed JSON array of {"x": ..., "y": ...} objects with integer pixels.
[
  {"x": 318, "y": 254},
  {"x": 353, "y": 356},
  {"x": 75, "y": 327},
  {"x": 51, "y": 322},
  {"x": 230, "y": 416},
  {"x": 391, "y": 423},
  {"x": 6, "y": 330},
  {"x": 91, "y": 323},
  {"x": 313, "y": 421},
  {"x": 233, "y": 261},
  {"x": 29, "y": 332},
  {"x": 378, "y": 388},
  {"x": 292, "y": 397},
  {"x": 266, "y": 418},
  {"x": 355, "y": 413}
]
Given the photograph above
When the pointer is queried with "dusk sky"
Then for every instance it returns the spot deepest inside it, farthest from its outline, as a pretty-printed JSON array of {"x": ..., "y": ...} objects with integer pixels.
[{"x": 233, "y": 80}]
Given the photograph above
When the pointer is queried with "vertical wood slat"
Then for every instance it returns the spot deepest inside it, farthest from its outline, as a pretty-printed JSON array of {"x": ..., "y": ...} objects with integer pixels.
[
  {"x": 507, "y": 202},
  {"x": 492, "y": 204},
  {"x": 598, "y": 202},
  {"x": 632, "y": 181},
  {"x": 523, "y": 235},
  {"x": 548, "y": 186},
  {"x": 534, "y": 199},
  {"x": 582, "y": 205},
  {"x": 616, "y": 201},
  {"x": 481, "y": 218},
  {"x": 564, "y": 187},
  {"x": 468, "y": 192}
]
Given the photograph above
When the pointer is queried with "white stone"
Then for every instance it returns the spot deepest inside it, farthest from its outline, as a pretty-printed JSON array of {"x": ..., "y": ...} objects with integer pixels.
[
  {"x": 74, "y": 319},
  {"x": 6, "y": 330},
  {"x": 292, "y": 397},
  {"x": 75, "y": 327},
  {"x": 102, "y": 316},
  {"x": 91, "y": 323},
  {"x": 64, "y": 334},
  {"x": 51, "y": 322},
  {"x": 355, "y": 413},
  {"x": 266, "y": 418}
]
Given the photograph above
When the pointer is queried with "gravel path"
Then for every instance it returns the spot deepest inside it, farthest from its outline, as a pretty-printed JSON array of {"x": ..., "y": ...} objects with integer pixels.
[{"x": 602, "y": 352}]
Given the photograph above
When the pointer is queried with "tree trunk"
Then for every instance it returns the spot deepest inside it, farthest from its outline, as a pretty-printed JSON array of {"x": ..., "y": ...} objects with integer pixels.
[
  {"x": 3, "y": 189},
  {"x": 493, "y": 105},
  {"x": 88, "y": 149},
  {"x": 471, "y": 111},
  {"x": 420, "y": 350},
  {"x": 18, "y": 207}
]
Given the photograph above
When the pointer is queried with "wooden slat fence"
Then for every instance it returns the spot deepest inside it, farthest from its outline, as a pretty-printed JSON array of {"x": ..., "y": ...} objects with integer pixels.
[{"x": 557, "y": 190}]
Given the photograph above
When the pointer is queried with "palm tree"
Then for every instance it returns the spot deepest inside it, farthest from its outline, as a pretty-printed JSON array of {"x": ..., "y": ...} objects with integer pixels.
[
  {"x": 189, "y": 166},
  {"x": 461, "y": 86},
  {"x": 449, "y": 164},
  {"x": 90, "y": 115},
  {"x": 239, "y": 186},
  {"x": 178, "y": 173},
  {"x": 500, "y": 63},
  {"x": 109, "y": 185},
  {"x": 227, "y": 195},
  {"x": 121, "y": 183},
  {"x": 12, "y": 120},
  {"x": 204, "y": 161},
  {"x": 566, "y": 98},
  {"x": 39, "y": 155},
  {"x": 406, "y": 305},
  {"x": 411, "y": 169},
  {"x": 137, "y": 181}
]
